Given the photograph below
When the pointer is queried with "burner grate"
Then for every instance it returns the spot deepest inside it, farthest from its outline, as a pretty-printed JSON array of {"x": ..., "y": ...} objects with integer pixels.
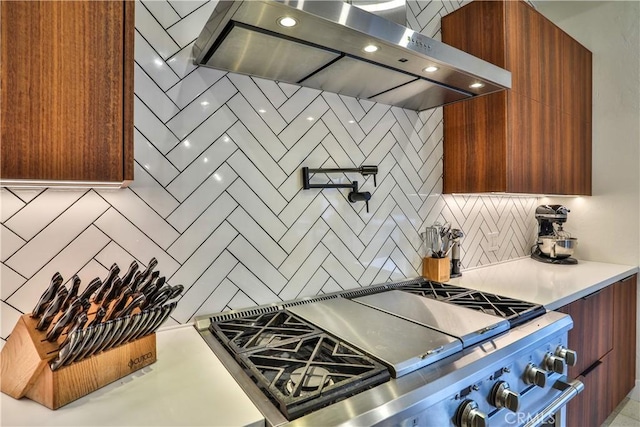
[
  {"x": 513, "y": 310},
  {"x": 312, "y": 372},
  {"x": 262, "y": 330}
]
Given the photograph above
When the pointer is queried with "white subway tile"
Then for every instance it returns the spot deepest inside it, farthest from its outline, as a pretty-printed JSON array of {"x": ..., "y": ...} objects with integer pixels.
[
  {"x": 11, "y": 281},
  {"x": 152, "y": 128},
  {"x": 202, "y": 227},
  {"x": 299, "y": 282},
  {"x": 152, "y": 160},
  {"x": 9, "y": 204},
  {"x": 194, "y": 114},
  {"x": 67, "y": 262},
  {"x": 153, "y": 194},
  {"x": 41, "y": 211},
  {"x": 257, "y": 153},
  {"x": 257, "y": 264},
  {"x": 201, "y": 198},
  {"x": 141, "y": 215},
  {"x": 188, "y": 29},
  {"x": 258, "y": 210},
  {"x": 153, "y": 97},
  {"x": 118, "y": 228},
  {"x": 57, "y": 235},
  {"x": 201, "y": 167},
  {"x": 153, "y": 64},
  {"x": 212, "y": 284},
  {"x": 162, "y": 11},
  {"x": 256, "y": 235},
  {"x": 9, "y": 243}
]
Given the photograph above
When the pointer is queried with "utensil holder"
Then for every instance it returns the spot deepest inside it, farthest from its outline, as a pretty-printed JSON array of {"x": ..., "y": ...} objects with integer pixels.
[
  {"x": 25, "y": 370},
  {"x": 436, "y": 269}
]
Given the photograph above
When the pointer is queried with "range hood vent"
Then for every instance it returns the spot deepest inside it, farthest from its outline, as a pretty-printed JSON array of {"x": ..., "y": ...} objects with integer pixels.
[{"x": 326, "y": 49}]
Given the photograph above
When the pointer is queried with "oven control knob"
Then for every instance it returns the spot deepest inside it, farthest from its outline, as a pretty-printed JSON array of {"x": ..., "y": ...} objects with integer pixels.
[
  {"x": 569, "y": 356},
  {"x": 468, "y": 415},
  {"x": 553, "y": 363},
  {"x": 535, "y": 375},
  {"x": 503, "y": 397}
]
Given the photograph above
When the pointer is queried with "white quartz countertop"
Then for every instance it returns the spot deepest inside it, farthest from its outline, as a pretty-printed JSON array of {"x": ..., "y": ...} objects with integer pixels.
[
  {"x": 551, "y": 285},
  {"x": 187, "y": 386}
]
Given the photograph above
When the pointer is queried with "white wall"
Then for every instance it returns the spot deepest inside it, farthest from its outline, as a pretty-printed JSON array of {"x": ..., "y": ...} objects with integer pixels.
[{"x": 607, "y": 224}]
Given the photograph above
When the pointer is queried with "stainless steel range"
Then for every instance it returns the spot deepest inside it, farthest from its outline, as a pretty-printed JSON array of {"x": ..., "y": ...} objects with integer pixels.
[{"x": 411, "y": 353}]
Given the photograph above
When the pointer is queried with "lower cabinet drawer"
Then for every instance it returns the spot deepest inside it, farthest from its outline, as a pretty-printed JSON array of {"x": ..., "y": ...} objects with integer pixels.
[
  {"x": 594, "y": 404},
  {"x": 592, "y": 333}
]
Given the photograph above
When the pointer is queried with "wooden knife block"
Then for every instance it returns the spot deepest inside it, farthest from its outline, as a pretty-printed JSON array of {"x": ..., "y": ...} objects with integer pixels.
[{"x": 25, "y": 370}]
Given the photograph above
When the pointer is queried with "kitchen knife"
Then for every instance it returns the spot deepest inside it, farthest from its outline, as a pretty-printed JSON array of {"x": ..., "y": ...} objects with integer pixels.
[
  {"x": 147, "y": 272},
  {"x": 106, "y": 285},
  {"x": 85, "y": 341},
  {"x": 133, "y": 324},
  {"x": 161, "y": 295},
  {"x": 81, "y": 320},
  {"x": 93, "y": 286},
  {"x": 105, "y": 333},
  {"x": 98, "y": 331},
  {"x": 66, "y": 350},
  {"x": 152, "y": 315},
  {"x": 104, "y": 345},
  {"x": 153, "y": 289},
  {"x": 47, "y": 296},
  {"x": 120, "y": 303},
  {"x": 121, "y": 326},
  {"x": 176, "y": 291},
  {"x": 160, "y": 311},
  {"x": 166, "y": 311},
  {"x": 128, "y": 277},
  {"x": 137, "y": 300},
  {"x": 149, "y": 282},
  {"x": 112, "y": 293},
  {"x": 97, "y": 319},
  {"x": 67, "y": 317},
  {"x": 73, "y": 293},
  {"x": 52, "y": 309}
]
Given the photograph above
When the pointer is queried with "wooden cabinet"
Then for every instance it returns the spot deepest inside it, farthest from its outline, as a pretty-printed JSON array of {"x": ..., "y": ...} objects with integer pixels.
[
  {"x": 67, "y": 90},
  {"x": 604, "y": 336},
  {"x": 535, "y": 137},
  {"x": 623, "y": 369},
  {"x": 591, "y": 336}
]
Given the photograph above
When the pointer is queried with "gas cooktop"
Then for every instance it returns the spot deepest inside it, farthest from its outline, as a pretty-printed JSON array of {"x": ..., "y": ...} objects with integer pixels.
[{"x": 345, "y": 357}]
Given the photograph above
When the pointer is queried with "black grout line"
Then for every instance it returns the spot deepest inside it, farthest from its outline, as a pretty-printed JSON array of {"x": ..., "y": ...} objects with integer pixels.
[
  {"x": 159, "y": 56},
  {"x": 161, "y": 26}
]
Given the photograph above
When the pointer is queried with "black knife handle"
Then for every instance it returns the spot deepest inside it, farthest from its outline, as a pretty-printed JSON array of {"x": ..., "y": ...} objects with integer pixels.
[{"x": 47, "y": 296}]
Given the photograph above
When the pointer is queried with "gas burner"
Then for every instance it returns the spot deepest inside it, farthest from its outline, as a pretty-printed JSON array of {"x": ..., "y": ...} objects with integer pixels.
[
  {"x": 310, "y": 372},
  {"x": 307, "y": 379}
]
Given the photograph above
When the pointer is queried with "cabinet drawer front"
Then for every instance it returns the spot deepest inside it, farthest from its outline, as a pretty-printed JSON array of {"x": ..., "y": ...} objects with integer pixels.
[{"x": 592, "y": 333}]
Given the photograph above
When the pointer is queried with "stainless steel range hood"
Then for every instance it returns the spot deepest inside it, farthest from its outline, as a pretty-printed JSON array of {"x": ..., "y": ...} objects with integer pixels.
[{"x": 325, "y": 49}]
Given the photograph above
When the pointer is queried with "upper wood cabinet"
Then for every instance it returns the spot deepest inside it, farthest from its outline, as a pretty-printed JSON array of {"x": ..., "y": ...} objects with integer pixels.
[
  {"x": 67, "y": 90},
  {"x": 536, "y": 137}
]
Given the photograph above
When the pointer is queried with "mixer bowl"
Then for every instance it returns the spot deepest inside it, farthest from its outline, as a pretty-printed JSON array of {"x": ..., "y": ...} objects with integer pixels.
[{"x": 556, "y": 247}]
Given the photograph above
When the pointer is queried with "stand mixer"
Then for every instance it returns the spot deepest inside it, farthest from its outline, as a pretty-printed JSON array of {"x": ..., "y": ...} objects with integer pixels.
[{"x": 554, "y": 245}]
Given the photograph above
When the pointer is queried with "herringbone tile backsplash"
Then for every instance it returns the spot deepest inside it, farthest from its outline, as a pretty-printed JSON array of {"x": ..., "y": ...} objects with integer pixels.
[{"x": 218, "y": 198}]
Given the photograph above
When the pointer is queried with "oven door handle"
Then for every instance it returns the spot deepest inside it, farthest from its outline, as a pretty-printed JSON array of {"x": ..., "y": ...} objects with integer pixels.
[{"x": 569, "y": 391}]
